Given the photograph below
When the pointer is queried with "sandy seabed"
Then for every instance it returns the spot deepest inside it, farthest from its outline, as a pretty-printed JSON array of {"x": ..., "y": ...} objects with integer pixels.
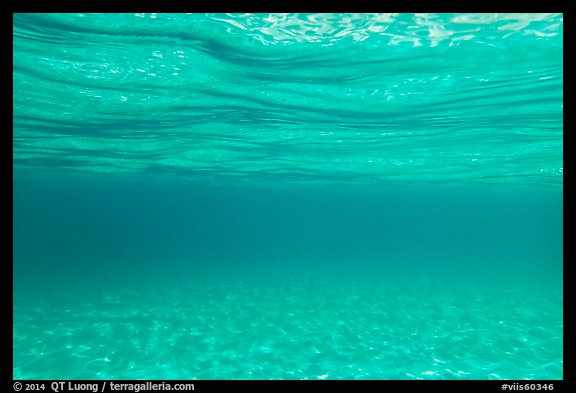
[{"x": 291, "y": 329}]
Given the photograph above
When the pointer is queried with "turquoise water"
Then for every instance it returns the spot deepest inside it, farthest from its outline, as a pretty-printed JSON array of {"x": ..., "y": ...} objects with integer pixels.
[{"x": 288, "y": 196}]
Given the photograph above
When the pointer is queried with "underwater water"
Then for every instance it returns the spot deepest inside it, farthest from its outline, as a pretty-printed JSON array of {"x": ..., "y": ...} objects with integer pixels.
[{"x": 287, "y": 196}]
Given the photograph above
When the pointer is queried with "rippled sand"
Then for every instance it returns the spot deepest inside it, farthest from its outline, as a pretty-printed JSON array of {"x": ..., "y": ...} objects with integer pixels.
[{"x": 291, "y": 329}]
